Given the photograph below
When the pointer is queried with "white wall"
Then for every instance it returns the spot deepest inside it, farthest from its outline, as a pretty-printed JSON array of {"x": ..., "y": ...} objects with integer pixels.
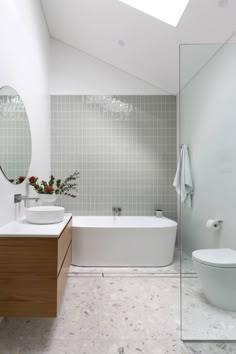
[
  {"x": 25, "y": 49},
  {"x": 208, "y": 126},
  {"x": 73, "y": 72}
]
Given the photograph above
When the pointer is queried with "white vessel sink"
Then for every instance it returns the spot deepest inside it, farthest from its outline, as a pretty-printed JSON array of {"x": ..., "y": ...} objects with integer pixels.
[{"x": 45, "y": 214}]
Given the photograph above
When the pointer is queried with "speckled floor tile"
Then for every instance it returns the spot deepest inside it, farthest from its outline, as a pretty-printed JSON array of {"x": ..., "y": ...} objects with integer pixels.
[
  {"x": 144, "y": 347},
  {"x": 117, "y": 315},
  {"x": 139, "y": 308},
  {"x": 187, "y": 264},
  {"x": 79, "y": 310},
  {"x": 211, "y": 348},
  {"x": 200, "y": 319},
  {"x": 51, "y": 346}
]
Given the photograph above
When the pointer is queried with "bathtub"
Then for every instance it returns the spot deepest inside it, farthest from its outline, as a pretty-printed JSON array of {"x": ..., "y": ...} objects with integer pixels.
[{"x": 123, "y": 241}]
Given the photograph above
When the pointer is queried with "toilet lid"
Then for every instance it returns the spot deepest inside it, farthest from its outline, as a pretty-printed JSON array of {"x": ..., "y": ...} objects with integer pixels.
[{"x": 222, "y": 257}]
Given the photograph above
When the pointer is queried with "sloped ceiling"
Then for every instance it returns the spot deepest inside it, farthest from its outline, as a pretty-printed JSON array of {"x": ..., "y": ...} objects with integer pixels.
[{"x": 137, "y": 43}]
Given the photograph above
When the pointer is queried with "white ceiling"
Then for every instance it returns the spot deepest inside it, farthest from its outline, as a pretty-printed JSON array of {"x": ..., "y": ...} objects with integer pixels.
[{"x": 151, "y": 50}]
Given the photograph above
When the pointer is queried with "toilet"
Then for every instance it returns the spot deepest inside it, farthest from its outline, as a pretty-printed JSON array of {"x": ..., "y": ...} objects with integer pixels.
[{"x": 216, "y": 270}]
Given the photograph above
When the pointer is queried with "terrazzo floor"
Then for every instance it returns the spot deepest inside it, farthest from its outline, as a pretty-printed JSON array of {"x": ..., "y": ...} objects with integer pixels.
[
  {"x": 201, "y": 320},
  {"x": 110, "y": 311}
]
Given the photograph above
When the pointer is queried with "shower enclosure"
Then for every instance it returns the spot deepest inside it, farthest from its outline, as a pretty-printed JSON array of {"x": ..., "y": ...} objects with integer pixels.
[{"x": 207, "y": 124}]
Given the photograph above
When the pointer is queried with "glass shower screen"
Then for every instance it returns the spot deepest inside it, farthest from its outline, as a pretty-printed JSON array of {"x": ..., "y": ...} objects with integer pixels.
[{"x": 207, "y": 123}]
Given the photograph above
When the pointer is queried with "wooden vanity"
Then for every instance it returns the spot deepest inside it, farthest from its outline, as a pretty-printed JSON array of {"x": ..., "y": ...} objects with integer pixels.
[{"x": 33, "y": 269}]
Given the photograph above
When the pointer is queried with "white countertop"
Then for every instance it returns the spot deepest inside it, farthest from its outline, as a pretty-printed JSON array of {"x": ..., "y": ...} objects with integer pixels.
[{"x": 22, "y": 228}]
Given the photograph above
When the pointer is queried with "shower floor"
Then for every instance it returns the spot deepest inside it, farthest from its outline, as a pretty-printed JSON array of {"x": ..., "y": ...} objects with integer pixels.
[{"x": 201, "y": 320}]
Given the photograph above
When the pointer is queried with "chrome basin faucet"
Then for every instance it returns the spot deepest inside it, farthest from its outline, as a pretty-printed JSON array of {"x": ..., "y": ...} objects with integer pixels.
[
  {"x": 116, "y": 211},
  {"x": 18, "y": 198}
]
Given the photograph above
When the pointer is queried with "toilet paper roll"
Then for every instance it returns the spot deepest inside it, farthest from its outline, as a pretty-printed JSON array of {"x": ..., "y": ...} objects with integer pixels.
[{"x": 213, "y": 225}]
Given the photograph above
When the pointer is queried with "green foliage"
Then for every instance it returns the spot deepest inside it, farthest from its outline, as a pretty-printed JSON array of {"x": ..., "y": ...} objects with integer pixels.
[{"x": 68, "y": 186}]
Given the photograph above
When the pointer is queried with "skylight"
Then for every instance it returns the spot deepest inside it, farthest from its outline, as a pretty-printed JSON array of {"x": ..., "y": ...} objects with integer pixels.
[{"x": 169, "y": 11}]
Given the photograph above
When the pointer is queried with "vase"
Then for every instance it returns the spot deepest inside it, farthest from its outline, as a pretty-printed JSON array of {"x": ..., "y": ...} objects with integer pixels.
[{"x": 47, "y": 199}]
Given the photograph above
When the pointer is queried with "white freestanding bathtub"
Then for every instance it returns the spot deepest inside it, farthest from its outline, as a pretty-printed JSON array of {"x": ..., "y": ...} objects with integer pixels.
[{"x": 123, "y": 241}]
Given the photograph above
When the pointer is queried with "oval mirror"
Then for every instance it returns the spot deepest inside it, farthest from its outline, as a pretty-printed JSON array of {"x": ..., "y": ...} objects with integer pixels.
[{"x": 15, "y": 136}]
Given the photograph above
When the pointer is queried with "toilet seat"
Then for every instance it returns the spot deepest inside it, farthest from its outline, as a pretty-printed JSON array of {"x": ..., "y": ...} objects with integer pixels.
[{"x": 222, "y": 257}]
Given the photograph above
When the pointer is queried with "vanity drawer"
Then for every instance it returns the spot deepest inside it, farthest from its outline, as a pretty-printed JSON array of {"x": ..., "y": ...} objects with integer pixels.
[
  {"x": 27, "y": 295},
  {"x": 63, "y": 245},
  {"x": 26, "y": 255},
  {"x": 61, "y": 280}
]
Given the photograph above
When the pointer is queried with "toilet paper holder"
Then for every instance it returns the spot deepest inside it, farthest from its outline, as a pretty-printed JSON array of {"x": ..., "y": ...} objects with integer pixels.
[
  {"x": 219, "y": 222},
  {"x": 214, "y": 224}
]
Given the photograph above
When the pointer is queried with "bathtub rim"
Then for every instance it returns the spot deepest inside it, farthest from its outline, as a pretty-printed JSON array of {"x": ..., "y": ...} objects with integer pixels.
[{"x": 168, "y": 223}]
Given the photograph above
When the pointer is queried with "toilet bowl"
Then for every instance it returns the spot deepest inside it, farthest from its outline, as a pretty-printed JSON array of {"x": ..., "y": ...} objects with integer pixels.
[{"x": 216, "y": 270}]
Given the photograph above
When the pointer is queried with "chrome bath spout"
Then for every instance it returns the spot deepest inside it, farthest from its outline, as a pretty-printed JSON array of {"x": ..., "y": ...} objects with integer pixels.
[{"x": 116, "y": 211}]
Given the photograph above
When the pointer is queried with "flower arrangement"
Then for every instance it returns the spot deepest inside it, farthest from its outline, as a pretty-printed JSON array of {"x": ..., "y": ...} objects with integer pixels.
[
  {"x": 19, "y": 180},
  {"x": 53, "y": 186}
]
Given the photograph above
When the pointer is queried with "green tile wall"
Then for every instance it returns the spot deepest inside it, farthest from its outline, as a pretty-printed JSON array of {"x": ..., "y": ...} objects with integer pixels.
[{"x": 124, "y": 148}]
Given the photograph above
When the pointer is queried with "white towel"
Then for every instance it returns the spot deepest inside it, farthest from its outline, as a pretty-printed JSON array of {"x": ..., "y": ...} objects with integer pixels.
[{"x": 183, "y": 179}]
